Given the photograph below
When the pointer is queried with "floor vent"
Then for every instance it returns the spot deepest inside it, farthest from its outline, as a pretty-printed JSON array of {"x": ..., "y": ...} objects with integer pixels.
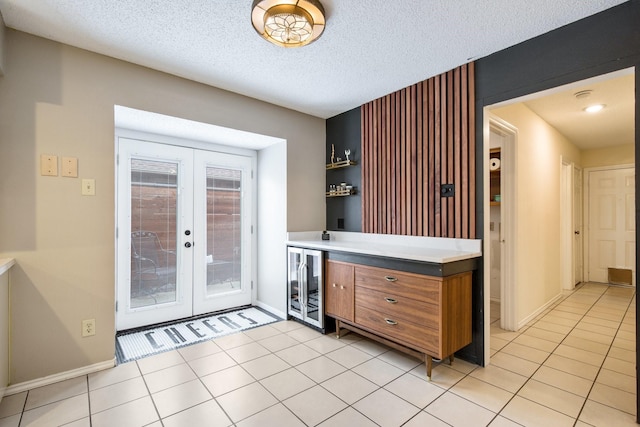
[{"x": 620, "y": 276}]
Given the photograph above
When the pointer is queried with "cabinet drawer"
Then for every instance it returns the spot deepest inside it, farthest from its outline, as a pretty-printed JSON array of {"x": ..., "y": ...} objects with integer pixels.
[
  {"x": 412, "y": 335},
  {"x": 408, "y": 285},
  {"x": 399, "y": 307}
]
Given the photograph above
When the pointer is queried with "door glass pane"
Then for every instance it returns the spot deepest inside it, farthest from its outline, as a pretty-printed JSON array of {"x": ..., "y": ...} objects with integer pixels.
[
  {"x": 295, "y": 281},
  {"x": 313, "y": 285},
  {"x": 224, "y": 220},
  {"x": 153, "y": 232}
]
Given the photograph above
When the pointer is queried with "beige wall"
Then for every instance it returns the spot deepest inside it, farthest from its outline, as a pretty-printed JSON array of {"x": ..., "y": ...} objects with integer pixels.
[
  {"x": 55, "y": 99},
  {"x": 539, "y": 150},
  {"x": 2, "y": 44},
  {"x": 609, "y": 156}
]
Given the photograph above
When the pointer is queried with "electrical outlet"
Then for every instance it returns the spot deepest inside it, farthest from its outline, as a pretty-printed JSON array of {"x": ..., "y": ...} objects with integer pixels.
[{"x": 88, "y": 327}]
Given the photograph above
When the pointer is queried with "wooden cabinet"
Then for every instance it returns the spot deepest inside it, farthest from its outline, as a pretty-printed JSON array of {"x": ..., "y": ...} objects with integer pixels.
[
  {"x": 339, "y": 290},
  {"x": 426, "y": 316}
]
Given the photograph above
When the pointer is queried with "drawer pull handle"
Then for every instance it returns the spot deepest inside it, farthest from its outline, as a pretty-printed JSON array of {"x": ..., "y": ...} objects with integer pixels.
[
  {"x": 334, "y": 285},
  {"x": 341, "y": 286},
  {"x": 391, "y": 322},
  {"x": 391, "y": 300},
  {"x": 390, "y": 279}
]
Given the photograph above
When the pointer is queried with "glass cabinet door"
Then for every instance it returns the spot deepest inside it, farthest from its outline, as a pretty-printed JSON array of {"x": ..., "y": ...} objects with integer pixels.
[
  {"x": 313, "y": 290},
  {"x": 305, "y": 285},
  {"x": 295, "y": 282}
]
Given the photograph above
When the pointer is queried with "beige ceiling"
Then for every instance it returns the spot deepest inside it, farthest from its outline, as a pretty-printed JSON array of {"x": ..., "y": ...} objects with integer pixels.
[
  {"x": 614, "y": 125},
  {"x": 369, "y": 48}
]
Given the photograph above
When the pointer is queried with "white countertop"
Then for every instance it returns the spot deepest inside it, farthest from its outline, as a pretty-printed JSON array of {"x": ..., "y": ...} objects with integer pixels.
[
  {"x": 427, "y": 249},
  {"x": 6, "y": 264}
]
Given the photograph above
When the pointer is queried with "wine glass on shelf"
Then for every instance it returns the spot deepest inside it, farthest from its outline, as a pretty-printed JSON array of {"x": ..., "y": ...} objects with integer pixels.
[{"x": 347, "y": 152}]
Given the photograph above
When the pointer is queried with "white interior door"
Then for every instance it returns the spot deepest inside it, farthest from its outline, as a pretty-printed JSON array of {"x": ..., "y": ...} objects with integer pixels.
[
  {"x": 611, "y": 222},
  {"x": 155, "y": 209},
  {"x": 184, "y": 232}
]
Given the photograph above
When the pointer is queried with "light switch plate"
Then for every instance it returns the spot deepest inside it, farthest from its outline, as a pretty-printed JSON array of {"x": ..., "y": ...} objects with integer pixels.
[
  {"x": 88, "y": 187},
  {"x": 70, "y": 167},
  {"x": 48, "y": 165},
  {"x": 447, "y": 190}
]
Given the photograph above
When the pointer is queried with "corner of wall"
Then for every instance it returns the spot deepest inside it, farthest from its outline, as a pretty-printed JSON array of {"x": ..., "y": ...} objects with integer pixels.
[{"x": 2, "y": 45}]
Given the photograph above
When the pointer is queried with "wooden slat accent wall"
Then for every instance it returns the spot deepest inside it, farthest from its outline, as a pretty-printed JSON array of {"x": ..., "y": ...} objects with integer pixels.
[{"x": 413, "y": 141}]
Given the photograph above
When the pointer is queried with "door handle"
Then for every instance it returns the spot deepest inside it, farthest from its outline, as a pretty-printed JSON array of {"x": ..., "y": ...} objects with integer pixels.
[
  {"x": 302, "y": 292},
  {"x": 187, "y": 245},
  {"x": 577, "y": 232}
]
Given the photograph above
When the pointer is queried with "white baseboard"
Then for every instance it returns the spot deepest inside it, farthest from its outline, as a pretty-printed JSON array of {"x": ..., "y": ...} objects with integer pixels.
[
  {"x": 532, "y": 316},
  {"x": 51, "y": 379},
  {"x": 270, "y": 309}
]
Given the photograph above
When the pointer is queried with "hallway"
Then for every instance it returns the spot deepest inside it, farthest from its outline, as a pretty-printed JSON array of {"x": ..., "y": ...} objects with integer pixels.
[{"x": 579, "y": 357}]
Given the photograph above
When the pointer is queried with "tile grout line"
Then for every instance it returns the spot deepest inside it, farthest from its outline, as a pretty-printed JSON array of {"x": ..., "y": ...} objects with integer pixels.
[
  {"x": 153, "y": 402},
  {"x": 89, "y": 400},
  {"x": 547, "y": 358},
  {"x": 603, "y": 362},
  {"x": 566, "y": 335}
]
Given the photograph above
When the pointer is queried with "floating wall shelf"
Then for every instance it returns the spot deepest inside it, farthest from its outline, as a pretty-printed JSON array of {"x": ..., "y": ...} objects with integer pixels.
[
  {"x": 341, "y": 193},
  {"x": 342, "y": 164}
]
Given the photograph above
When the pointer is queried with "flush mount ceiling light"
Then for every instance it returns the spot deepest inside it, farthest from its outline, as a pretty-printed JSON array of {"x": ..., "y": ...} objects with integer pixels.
[
  {"x": 594, "y": 108},
  {"x": 288, "y": 23}
]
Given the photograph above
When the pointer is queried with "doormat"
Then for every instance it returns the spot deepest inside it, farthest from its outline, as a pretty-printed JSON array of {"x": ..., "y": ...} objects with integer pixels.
[{"x": 142, "y": 343}]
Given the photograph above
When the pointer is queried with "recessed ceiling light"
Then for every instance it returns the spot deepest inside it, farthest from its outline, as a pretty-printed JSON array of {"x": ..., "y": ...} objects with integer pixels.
[{"x": 594, "y": 108}]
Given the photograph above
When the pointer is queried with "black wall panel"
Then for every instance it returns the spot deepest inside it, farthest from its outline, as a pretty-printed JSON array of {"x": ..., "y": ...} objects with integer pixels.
[{"x": 343, "y": 131}]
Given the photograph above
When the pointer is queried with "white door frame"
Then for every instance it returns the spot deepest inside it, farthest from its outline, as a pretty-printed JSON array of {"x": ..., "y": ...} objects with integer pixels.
[
  {"x": 567, "y": 226},
  {"x": 578, "y": 248},
  {"x": 585, "y": 179},
  {"x": 508, "y": 214}
]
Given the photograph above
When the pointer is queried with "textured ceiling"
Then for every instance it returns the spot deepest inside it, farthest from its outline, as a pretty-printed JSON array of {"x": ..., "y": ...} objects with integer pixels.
[{"x": 369, "y": 48}]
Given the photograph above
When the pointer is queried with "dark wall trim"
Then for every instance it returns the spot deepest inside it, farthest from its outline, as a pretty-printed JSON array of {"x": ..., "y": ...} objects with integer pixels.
[
  {"x": 418, "y": 267},
  {"x": 599, "y": 44}
]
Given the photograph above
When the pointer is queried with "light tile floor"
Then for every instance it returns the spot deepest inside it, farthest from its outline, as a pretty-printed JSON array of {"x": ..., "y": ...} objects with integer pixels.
[{"x": 573, "y": 365}]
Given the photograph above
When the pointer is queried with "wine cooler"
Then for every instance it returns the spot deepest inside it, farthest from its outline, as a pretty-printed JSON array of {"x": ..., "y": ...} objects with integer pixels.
[{"x": 305, "y": 286}]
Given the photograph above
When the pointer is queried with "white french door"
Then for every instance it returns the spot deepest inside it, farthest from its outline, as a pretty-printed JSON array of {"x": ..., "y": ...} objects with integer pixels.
[
  {"x": 222, "y": 275},
  {"x": 184, "y": 232}
]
